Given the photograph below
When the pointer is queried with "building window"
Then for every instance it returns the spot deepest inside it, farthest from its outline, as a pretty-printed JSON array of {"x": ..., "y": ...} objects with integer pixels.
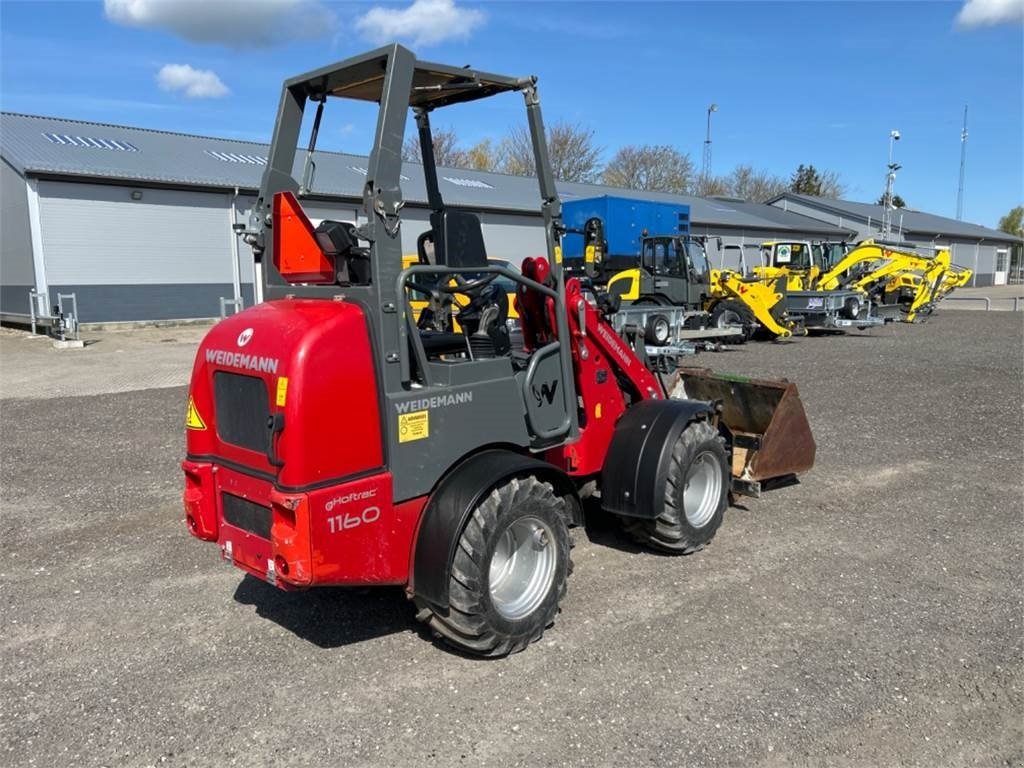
[
  {"x": 474, "y": 183},
  {"x": 234, "y": 157},
  {"x": 89, "y": 142}
]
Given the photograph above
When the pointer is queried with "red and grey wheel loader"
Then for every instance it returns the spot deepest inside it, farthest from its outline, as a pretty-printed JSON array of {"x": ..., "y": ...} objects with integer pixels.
[{"x": 332, "y": 439}]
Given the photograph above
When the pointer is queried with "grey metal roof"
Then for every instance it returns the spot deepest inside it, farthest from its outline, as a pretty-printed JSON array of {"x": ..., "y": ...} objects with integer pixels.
[
  {"x": 61, "y": 147},
  {"x": 911, "y": 222}
]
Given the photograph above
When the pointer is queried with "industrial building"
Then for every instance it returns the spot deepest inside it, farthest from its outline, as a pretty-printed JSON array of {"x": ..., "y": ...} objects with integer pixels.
[
  {"x": 137, "y": 223},
  {"x": 985, "y": 251}
]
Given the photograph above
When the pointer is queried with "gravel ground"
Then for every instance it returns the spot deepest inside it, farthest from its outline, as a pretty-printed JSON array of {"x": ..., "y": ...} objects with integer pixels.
[
  {"x": 110, "y": 361},
  {"x": 871, "y": 616}
]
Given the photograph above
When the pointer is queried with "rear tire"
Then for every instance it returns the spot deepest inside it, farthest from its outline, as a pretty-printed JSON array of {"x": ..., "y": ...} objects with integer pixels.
[
  {"x": 696, "y": 494},
  {"x": 729, "y": 314},
  {"x": 509, "y": 573}
]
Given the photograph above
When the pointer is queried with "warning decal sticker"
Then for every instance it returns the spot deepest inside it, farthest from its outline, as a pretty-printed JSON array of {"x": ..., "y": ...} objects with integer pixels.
[
  {"x": 413, "y": 426},
  {"x": 192, "y": 419},
  {"x": 282, "y": 391}
]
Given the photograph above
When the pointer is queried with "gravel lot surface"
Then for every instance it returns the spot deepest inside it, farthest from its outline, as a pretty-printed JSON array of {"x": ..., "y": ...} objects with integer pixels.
[{"x": 871, "y": 616}]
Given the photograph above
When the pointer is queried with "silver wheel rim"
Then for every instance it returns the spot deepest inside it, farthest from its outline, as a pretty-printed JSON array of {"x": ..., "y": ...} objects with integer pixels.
[
  {"x": 522, "y": 567},
  {"x": 702, "y": 489},
  {"x": 729, "y": 319}
]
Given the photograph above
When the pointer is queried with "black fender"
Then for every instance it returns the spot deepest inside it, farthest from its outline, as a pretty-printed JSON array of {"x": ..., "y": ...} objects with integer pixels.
[
  {"x": 636, "y": 465},
  {"x": 453, "y": 501}
]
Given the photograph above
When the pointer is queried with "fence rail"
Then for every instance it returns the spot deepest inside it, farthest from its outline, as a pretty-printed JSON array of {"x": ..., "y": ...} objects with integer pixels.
[{"x": 1017, "y": 300}]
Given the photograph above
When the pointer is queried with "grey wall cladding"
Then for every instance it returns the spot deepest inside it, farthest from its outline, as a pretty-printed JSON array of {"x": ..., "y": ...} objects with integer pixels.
[
  {"x": 15, "y": 235},
  {"x": 113, "y": 303}
]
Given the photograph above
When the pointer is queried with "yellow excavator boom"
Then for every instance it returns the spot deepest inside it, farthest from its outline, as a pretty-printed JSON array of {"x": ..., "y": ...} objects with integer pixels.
[
  {"x": 956, "y": 277},
  {"x": 924, "y": 276}
]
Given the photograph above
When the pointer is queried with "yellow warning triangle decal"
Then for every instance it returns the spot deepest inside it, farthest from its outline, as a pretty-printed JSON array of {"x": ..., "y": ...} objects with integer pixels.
[{"x": 193, "y": 420}]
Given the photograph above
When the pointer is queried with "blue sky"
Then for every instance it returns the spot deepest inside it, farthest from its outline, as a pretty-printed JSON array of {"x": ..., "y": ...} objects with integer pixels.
[{"x": 796, "y": 82}]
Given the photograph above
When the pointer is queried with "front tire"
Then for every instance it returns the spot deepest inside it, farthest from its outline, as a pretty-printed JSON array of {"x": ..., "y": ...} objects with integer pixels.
[
  {"x": 509, "y": 573},
  {"x": 696, "y": 494},
  {"x": 733, "y": 314}
]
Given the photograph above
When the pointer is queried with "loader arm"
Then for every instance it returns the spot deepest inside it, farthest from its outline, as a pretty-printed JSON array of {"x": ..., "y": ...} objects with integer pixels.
[{"x": 760, "y": 298}]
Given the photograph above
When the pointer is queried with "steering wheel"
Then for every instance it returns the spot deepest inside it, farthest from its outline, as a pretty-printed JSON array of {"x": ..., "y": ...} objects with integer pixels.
[{"x": 468, "y": 286}]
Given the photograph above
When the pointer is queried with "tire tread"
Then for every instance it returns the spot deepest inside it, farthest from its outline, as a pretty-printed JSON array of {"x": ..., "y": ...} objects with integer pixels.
[
  {"x": 667, "y": 531},
  {"x": 465, "y": 625}
]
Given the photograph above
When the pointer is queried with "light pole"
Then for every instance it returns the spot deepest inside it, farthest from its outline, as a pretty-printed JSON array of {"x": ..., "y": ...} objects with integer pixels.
[
  {"x": 706, "y": 171},
  {"x": 890, "y": 179}
]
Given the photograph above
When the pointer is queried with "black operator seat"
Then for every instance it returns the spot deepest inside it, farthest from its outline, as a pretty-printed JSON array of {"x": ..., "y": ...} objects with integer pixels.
[
  {"x": 458, "y": 239},
  {"x": 339, "y": 240}
]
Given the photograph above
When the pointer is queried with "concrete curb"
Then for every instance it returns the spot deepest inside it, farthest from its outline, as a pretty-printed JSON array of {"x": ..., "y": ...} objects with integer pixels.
[{"x": 130, "y": 325}]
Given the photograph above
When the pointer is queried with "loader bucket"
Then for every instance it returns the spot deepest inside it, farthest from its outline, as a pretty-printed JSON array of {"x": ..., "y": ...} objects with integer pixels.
[{"x": 772, "y": 439}]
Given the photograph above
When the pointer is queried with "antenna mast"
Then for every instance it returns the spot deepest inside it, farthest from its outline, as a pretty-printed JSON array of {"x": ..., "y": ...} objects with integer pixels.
[{"x": 963, "y": 168}]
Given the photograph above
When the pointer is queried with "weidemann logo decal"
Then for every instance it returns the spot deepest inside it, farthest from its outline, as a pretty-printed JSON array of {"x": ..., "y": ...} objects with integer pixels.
[
  {"x": 239, "y": 360},
  {"x": 438, "y": 401}
]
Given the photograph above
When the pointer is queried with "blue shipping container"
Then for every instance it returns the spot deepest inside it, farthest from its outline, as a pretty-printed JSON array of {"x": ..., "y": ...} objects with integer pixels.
[{"x": 625, "y": 219}]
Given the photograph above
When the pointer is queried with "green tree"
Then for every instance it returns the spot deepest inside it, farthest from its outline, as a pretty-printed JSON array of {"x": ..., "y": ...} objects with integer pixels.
[
  {"x": 651, "y": 167},
  {"x": 807, "y": 180},
  {"x": 897, "y": 201},
  {"x": 1013, "y": 222}
]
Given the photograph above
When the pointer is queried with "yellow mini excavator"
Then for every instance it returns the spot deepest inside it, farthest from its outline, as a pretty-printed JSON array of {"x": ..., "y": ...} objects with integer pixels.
[
  {"x": 893, "y": 274},
  {"x": 800, "y": 263}
]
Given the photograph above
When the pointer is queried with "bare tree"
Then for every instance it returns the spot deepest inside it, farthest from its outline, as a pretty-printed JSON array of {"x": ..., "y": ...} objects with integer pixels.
[
  {"x": 706, "y": 186},
  {"x": 571, "y": 149},
  {"x": 517, "y": 153},
  {"x": 483, "y": 156},
  {"x": 651, "y": 167},
  {"x": 446, "y": 149},
  {"x": 754, "y": 185},
  {"x": 831, "y": 185}
]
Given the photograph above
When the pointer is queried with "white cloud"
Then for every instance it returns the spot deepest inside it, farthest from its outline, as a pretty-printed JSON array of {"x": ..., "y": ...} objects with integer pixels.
[
  {"x": 425, "y": 22},
  {"x": 194, "y": 83},
  {"x": 986, "y": 13},
  {"x": 234, "y": 23}
]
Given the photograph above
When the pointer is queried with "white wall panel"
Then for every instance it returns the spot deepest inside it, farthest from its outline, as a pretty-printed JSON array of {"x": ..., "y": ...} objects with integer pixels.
[{"x": 95, "y": 234}]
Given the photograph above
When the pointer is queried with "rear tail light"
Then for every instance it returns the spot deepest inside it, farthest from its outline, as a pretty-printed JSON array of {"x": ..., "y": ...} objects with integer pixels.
[{"x": 290, "y": 537}]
